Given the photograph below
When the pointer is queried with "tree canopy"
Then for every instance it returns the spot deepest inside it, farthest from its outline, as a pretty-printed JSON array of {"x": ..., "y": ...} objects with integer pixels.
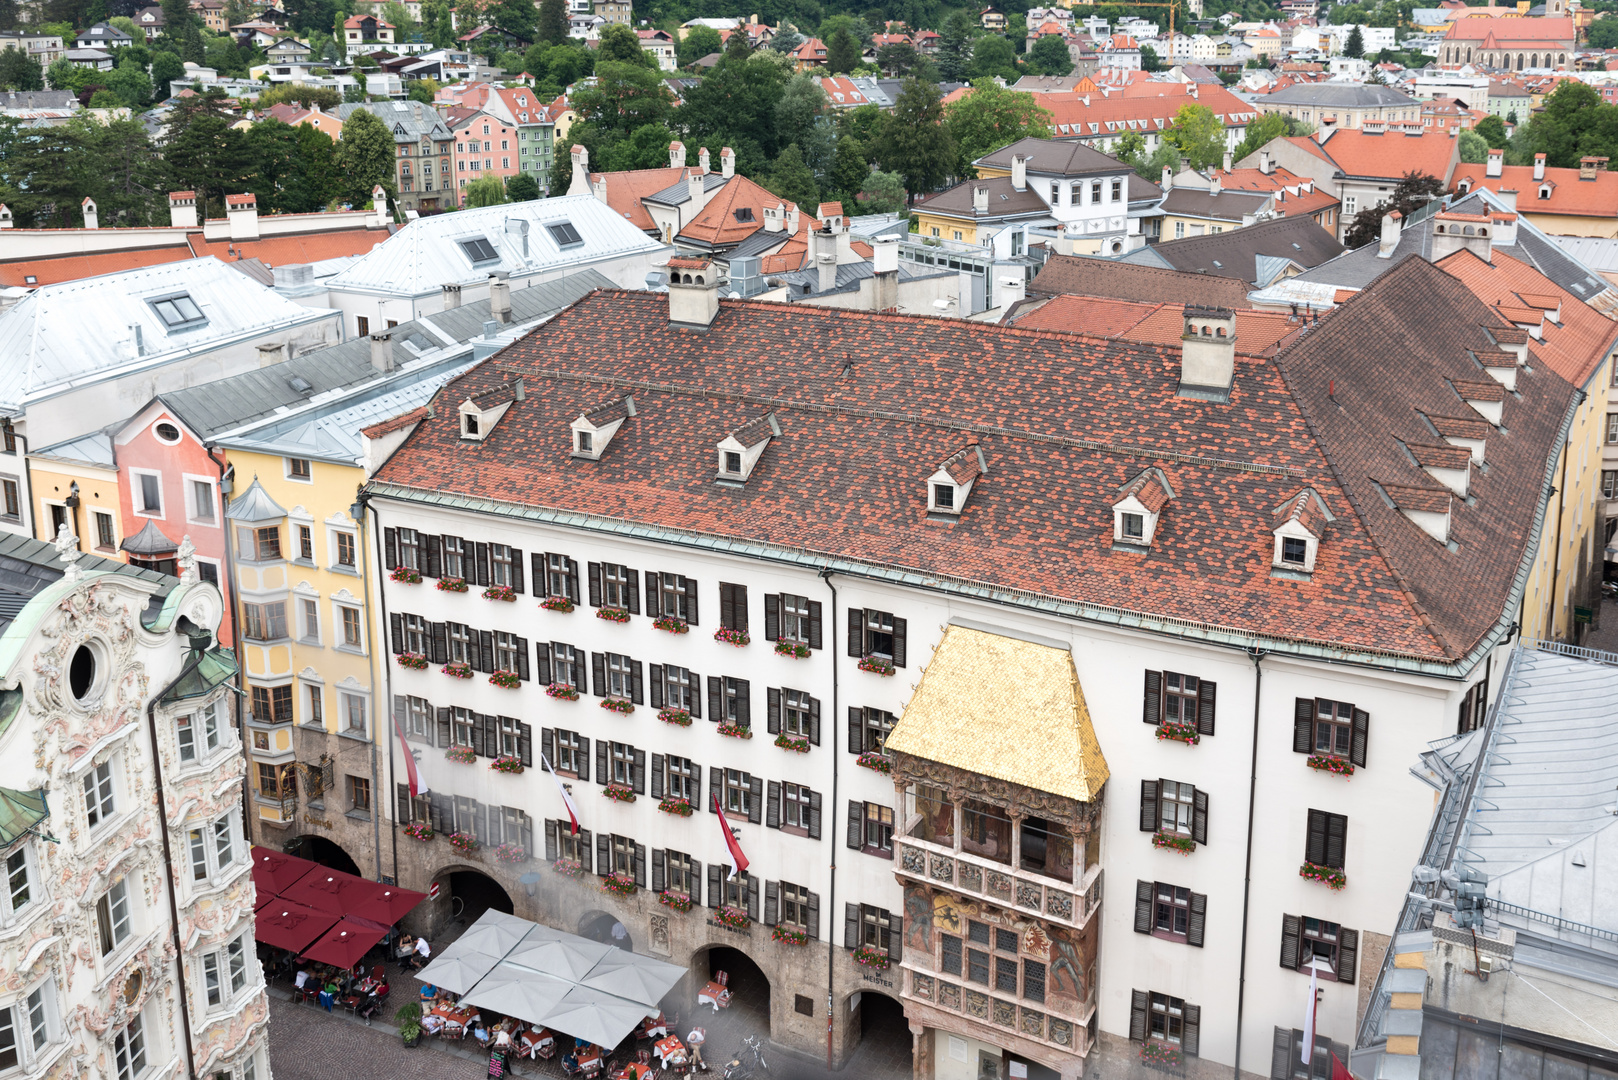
[
  {"x": 991, "y": 117},
  {"x": 1050, "y": 56},
  {"x": 1199, "y": 135},
  {"x": 914, "y": 141},
  {"x": 1408, "y": 195}
]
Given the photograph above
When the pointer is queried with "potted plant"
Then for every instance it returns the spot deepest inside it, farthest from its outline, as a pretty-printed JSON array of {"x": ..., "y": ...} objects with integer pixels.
[
  {"x": 1174, "y": 842},
  {"x": 677, "y": 901},
  {"x": 618, "y": 793},
  {"x": 500, "y": 592},
  {"x": 1331, "y": 763},
  {"x": 876, "y": 959},
  {"x": 562, "y": 691},
  {"x": 419, "y": 830},
  {"x": 670, "y": 625},
  {"x": 463, "y": 755},
  {"x": 737, "y": 638},
  {"x": 794, "y": 743},
  {"x": 570, "y": 868},
  {"x": 451, "y": 584},
  {"x": 795, "y": 649},
  {"x": 507, "y": 764},
  {"x": 618, "y": 705},
  {"x": 465, "y": 843},
  {"x": 677, "y": 717},
  {"x": 876, "y": 665},
  {"x": 1156, "y": 1053},
  {"x": 676, "y": 807},
  {"x": 415, "y": 661},
  {"x": 735, "y": 918},
  {"x": 405, "y": 576},
  {"x": 457, "y": 669},
  {"x": 875, "y": 761},
  {"x": 1329, "y": 876},
  {"x": 622, "y": 884},
  {"x": 1173, "y": 731},
  {"x": 612, "y": 614},
  {"x": 734, "y": 731},
  {"x": 409, "y": 1020},
  {"x": 511, "y": 853},
  {"x": 507, "y": 679},
  {"x": 788, "y": 936},
  {"x": 560, "y": 604}
]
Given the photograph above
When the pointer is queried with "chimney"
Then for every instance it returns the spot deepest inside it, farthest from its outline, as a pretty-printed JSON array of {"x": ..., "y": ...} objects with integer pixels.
[
  {"x": 1215, "y": 185},
  {"x": 826, "y": 271},
  {"x": 382, "y": 352},
  {"x": 693, "y": 292},
  {"x": 1497, "y": 161},
  {"x": 137, "y": 341},
  {"x": 885, "y": 254},
  {"x": 1208, "y": 353},
  {"x": 90, "y": 221},
  {"x": 1265, "y": 165},
  {"x": 774, "y": 218},
  {"x": 1227, "y": 160},
  {"x": 695, "y": 186},
  {"x": 727, "y": 162},
  {"x": 499, "y": 298},
  {"x": 1452, "y": 232},
  {"x": 980, "y": 200},
  {"x": 5, "y": 216},
  {"x": 1019, "y": 172},
  {"x": 581, "y": 171},
  {"x": 1509, "y": 197},
  {"x": 183, "y": 209},
  {"x": 1391, "y": 224},
  {"x": 269, "y": 352},
  {"x": 1505, "y": 230},
  {"x": 676, "y": 155},
  {"x": 702, "y": 160},
  {"x": 1539, "y": 165},
  {"x": 452, "y": 296},
  {"x": 379, "y": 202},
  {"x": 1588, "y": 168},
  {"x": 1168, "y": 180},
  {"x": 792, "y": 219},
  {"x": 1012, "y": 289},
  {"x": 517, "y": 230},
  {"x": 242, "y": 212}
]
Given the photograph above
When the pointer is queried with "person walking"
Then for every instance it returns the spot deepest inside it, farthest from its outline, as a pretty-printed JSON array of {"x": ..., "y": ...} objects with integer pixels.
[
  {"x": 695, "y": 1040},
  {"x": 424, "y": 953}
]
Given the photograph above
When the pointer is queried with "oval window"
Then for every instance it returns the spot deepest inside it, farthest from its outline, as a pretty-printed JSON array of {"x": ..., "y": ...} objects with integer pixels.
[
  {"x": 81, "y": 672},
  {"x": 167, "y": 432}
]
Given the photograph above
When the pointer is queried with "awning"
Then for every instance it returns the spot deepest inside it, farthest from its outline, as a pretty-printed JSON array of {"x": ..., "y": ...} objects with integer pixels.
[
  {"x": 518, "y": 991},
  {"x": 274, "y": 871},
  {"x": 346, "y": 943},
  {"x": 330, "y": 890},
  {"x": 628, "y": 975},
  {"x": 390, "y": 905},
  {"x": 20, "y": 811},
  {"x": 290, "y": 926}
]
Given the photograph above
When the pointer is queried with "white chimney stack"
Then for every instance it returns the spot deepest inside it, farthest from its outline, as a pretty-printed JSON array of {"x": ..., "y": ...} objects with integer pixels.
[
  {"x": 1497, "y": 161},
  {"x": 1208, "y": 352},
  {"x": 382, "y": 352},
  {"x": 581, "y": 171},
  {"x": 693, "y": 292},
  {"x": 1215, "y": 185},
  {"x": 90, "y": 220},
  {"x": 1265, "y": 165},
  {"x": 499, "y": 299},
  {"x": 1391, "y": 224},
  {"x": 1539, "y": 165},
  {"x": 676, "y": 155},
  {"x": 183, "y": 209},
  {"x": 1168, "y": 180},
  {"x": 242, "y": 213},
  {"x": 452, "y": 296},
  {"x": 1019, "y": 172},
  {"x": 1012, "y": 288},
  {"x": 379, "y": 203},
  {"x": 980, "y": 200},
  {"x": 727, "y": 162},
  {"x": 702, "y": 160},
  {"x": 885, "y": 254}
]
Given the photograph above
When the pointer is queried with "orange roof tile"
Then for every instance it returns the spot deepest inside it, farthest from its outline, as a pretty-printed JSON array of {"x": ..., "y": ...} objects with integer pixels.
[
  {"x": 1258, "y": 333},
  {"x": 383, "y": 427},
  {"x": 74, "y": 267},
  {"x": 289, "y": 250},
  {"x": 733, "y": 213},
  {"x": 1362, "y": 153},
  {"x": 626, "y": 189},
  {"x": 1569, "y": 194}
]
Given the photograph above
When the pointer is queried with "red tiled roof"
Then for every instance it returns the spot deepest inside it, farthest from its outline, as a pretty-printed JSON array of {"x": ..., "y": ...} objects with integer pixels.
[
  {"x": 1500, "y": 32},
  {"x": 1064, "y": 422},
  {"x": 289, "y": 250},
  {"x": 381, "y": 428},
  {"x": 1141, "y": 110},
  {"x": 625, "y": 190},
  {"x": 74, "y": 267},
  {"x": 718, "y": 226},
  {"x": 1361, "y": 153},
  {"x": 1258, "y": 333},
  {"x": 1569, "y": 194},
  {"x": 1127, "y": 281}
]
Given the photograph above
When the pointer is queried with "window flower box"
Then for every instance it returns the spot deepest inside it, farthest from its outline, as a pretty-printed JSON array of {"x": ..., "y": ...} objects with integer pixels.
[
  {"x": 618, "y": 793},
  {"x": 875, "y": 761},
  {"x": 457, "y": 669},
  {"x": 876, "y": 665},
  {"x": 670, "y": 625},
  {"x": 1330, "y": 763},
  {"x": 415, "y": 661},
  {"x": 612, "y": 614},
  {"x": 562, "y": 691},
  {"x": 788, "y": 936},
  {"x": 795, "y": 649},
  {"x": 1156, "y": 1053},
  {"x": 737, "y": 638},
  {"x": 507, "y": 764},
  {"x": 1329, "y": 876},
  {"x": 875, "y": 959},
  {"x": 677, "y": 901},
  {"x": 500, "y": 592},
  {"x": 465, "y": 755},
  {"x": 465, "y": 843},
  {"x": 622, "y": 884},
  {"x": 451, "y": 584},
  {"x": 618, "y": 705},
  {"x": 795, "y": 743},
  {"x": 560, "y": 604},
  {"x": 405, "y": 576},
  {"x": 1171, "y": 731},
  {"x": 419, "y": 830},
  {"x": 734, "y": 731},
  {"x": 507, "y": 679},
  {"x": 677, "y": 807},
  {"x": 735, "y": 918},
  {"x": 677, "y": 717},
  {"x": 1168, "y": 841},
  {"x": 568, "y": 868},
  {"x": 511, "y": 853}
]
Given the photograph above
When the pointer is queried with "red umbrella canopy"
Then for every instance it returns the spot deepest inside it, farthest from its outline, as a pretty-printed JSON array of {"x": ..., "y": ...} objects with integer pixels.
[
  {"x": 389, "y": 905},
  {"x": 274, "y": 871},
  {"x": 345, "y": 944},
  {"x": 330, "y": 890},
  {"x": 290, "y": 926}
]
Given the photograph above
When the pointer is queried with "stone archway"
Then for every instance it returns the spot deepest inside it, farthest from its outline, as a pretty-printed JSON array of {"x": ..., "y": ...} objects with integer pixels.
[
  {"x": 325, "y": 852},
  {"x": 749, "y": 989},
  {"x": 879, "y": 1041},
  {"x": 465, "y": 893},
  {"x": 605, "y": 927}
]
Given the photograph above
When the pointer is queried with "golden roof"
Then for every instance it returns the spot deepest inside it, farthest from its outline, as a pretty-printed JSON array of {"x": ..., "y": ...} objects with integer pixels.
[{"x": 1005, "y": 708}]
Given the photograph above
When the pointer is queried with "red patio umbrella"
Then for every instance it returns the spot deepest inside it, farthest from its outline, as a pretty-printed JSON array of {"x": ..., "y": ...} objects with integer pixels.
[
  {"x": 274, "y": 871},
  {"x": 346, "y": 943},
  {"x": 290, "y": 926},
  {"x": 333, "y": 891},
  {"x": 390, "y": 905}
]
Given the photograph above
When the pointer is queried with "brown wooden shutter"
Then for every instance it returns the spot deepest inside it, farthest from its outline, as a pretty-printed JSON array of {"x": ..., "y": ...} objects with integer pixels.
[
  {"x": 402, "y": 806},
  {"x": 547, "y": 744},
  {"x": 696, "y": 694},
  {"x": 856, "y": 632},
  {"x": 637, "y": 682},
  {"x": 486, "y": 640},
  {"x": 1138, "y": 1006},
  {"x": 851, "y": 926},
  {"x": 542, "y": 663},
  {"x": 603, "y": 854},
  {"x": 856, "y": 730},
  {"x": 637, "y": 770},
  {"x": 772, "y": 616},
  {"x": 445, "y": 737},
  {"x": 1281, "y": 1055},
  {"x": 481, "y": 562},
  {"x": 814, "y": 815},
  {"x": 896, "y": 937},
  {"x": 542, "y": 581},
  {"x": 1291, "y": 941},
  {"x": 856, "y": 824},
  {"x": 521, "y": 648},
  {"x": 1144, "y": 896},
  {"x": 1336, "y": 840},
  {"x": 433, "y": 548},
  {"x": 603, "y": 770},
  {"x": 525, "y": 744},
  {"x": 1152, "y": 710},
  {"x": 396, "y": 631},
  {"x": 573, "y": 581},
  {"x": 551, "y": 848},
  {"x": 1207, "y": 692},
  {"x": 1191, "y": 1030},
  {"x": 772, "y": 903},
  {"x": 1198, "y": 925},
  {"x": 517, "y": 584},
  {"x": 640, "y": 865},
  {"x": 727, "y": 605},
  {"x": 657, "y": 686},
  {"x": 584, "y": 758},
  {"x": 755, "y": 799},
  {"x": 633, "y": 591},
  {"x": 716, "y": 698},
  {"x": 814, "y": 721},
  {"x": 716, "y": 885},
  {"x": 598, "y": 672},
  {"x": 586, "y": 846},
  {"x": 691, "y": 590},
  {"x": 1303, "y": 725},
  {"x": 716, "y": 787},
  {"x": 390, "y": 548},
  {"x": 899, "y": 649},
  {"x": 772, "y": 808},
  {"x": 1148, "y": 806},
  {"x": 440, "y": 643},
  {"x": 1199, "y": 815},
  {"x": 659, "y": 767},
  {"x": 1348, "y": 951},
  {"x": 744, "y": 703},
  {"x": 772, "y": 709},
  {"x": 1315, "y": 846},
  {"x": 654, "y": 596},
  {"x": 815, "y": 632},
  {"x": 595, "y": 584},
  {"x": 659, "y": 870},
  {"x": 1361, "y": 737}
]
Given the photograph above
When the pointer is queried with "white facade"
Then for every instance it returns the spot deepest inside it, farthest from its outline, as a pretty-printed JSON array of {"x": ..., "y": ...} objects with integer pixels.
[
  {"x": 1256, "y": 700},
  {"x": 97, "y": 961}
]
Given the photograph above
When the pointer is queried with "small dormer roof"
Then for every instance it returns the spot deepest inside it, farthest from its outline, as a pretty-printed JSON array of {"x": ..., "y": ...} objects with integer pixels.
[
  {"x": 1479, "y": 391},
  {"x": 1427, "y": 500},
  {"x": 758, "y": 430},
  {"x": 494, "y": 397},
  {"x": 1150, "y": 488},
  {"x": 1439, "y": 457},
  {"x": 610, "y": 411},
  {"x": 1306, "y": 508},
  {"x": 1452, "y": 427},
  {"x": 149, "y": 541},
  {"x": 965, "y": 465},
  {"x": 254, "y": 505}
]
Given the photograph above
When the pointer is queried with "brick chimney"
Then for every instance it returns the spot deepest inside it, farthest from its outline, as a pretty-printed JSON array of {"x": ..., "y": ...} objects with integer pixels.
[
  {"x": 183, "y": 209},
  {"x": 1496, "y": 164},
  {"x": 1208, "y": 353},
  {"x": 90, "y": 219},
  {"x": 693, "y": 292},
  {"x": 242, "y": 212},
  {"x": 676, "y": 155},
  {"x": 1588, "y": 168}
]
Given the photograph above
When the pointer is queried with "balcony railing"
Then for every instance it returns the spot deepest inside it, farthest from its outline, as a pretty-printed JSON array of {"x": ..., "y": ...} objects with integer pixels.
[
  {"x": 973, "y": 875},
  {"x": 1069, "y": 1033}
]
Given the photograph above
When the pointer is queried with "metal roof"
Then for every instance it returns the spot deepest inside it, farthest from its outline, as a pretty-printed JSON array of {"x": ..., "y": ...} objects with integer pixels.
[
  {"x": 62, "y": 334},
  {"x": 92, "y": 449},
  {"x": 427, "y": 254},
  {"x": 1340, "y": 95},
  {"x": 149, "y": 541},
  {"x": 1596, "y": 252},
  {"x": 29, "y": 566},
  {"x": 254, "y": 504}
]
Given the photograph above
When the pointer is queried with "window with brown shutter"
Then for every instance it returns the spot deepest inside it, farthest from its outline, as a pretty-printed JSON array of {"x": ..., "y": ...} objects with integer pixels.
[
  {"x": 1165, "y": 1019},
  {"x": 1175, "y": 808},
  {"x": 1328, "y": 839},
  {"x": 1305, "y": 938},
  {"x": 1176, "y": 698},
  {"x": 1171, "y": 912},
  {"x": 1286, "y": 1057},
  {"x": 1331, "y": 728},
  {"x": 733, "y": 607}
]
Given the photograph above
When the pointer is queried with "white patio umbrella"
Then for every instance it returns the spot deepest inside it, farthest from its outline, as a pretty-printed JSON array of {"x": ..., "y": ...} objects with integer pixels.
[
  {"x": 596, "y": 1016},
  {"x": 495, "y": 932},
  {"x": 638, "y": 978},
  {"x": 515, "y": 991},
  {"x": 571, "y": 959},
  {"x": 457, "y": 969}
]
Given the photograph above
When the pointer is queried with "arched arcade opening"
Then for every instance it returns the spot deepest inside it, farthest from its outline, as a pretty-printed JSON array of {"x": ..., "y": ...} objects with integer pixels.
[{"x": 327, "y": 853}]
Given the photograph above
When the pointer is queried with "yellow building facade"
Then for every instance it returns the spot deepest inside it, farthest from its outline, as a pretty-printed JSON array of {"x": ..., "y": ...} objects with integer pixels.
[{"x": 70, "y": 486}]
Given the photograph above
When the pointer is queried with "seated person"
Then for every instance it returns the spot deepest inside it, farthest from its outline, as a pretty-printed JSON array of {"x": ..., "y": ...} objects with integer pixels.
[
  {"x": 429, "y": 992},
  {"x": 303, "y": 977},
  {"x": 431, "y": 1024}
]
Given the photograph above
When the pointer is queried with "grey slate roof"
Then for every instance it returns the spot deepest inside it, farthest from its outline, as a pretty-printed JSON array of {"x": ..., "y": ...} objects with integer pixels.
[
  {"x": 1004, "y": 200},
  {"x": 214, "y": 407},
  {"x": 1047, "y": 157},
  {"x": 680, "y": 194},
  {"x": 409, "y": 121},
  {"x": 1235, "y": 253},
  {"x": 804, "y": 283},
  {"x": 758, "y": 243},
  {"x": 1226, "y": 206},
  {"x": 38, "y": 99},
  {"x": 1341, "y": 96},
  {"x": 29, "y": 566}
]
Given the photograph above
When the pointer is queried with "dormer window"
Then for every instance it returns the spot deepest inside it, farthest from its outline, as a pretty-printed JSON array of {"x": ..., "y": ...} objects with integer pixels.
[
  {"x": 594, "y": 429},
  {"x": 950, "y": 487},
  {"x": 1294, "y": 552},
  {"x": 733, "y": 462},
  {"x": 481, "y": 412},
  {"x": 1545, "y": 191},
  {"x": 1300, "y": 522},
  {"x": 740, "y": 451},
  {"x": 944, "y": 497},
  {"x": 1138, "y": 509},
  {"x": 584, "y": 442},
  {"x": 469, "y": 426},
  {"x": 1134, "y": 528}
]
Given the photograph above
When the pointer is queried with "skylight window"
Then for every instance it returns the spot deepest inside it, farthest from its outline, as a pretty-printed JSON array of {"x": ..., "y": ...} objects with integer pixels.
[
  {"x": 479, "y": 250},
  {"x": 564, "y": 234},
  {"x": 178, "y": 312}
]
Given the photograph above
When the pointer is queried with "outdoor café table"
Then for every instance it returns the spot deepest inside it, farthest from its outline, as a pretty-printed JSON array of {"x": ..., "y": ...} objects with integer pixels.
[
  {"x": 654, "y": 1027},
  {"x": 715, "y": 995},
  {"x": 633, "y": 1071},
  {"x": 590, "y": 1064},
  {"x": 532, "y": 1042},
  {"x": 671, "y": 1052},
  {"x": 452, "y": 1015}
]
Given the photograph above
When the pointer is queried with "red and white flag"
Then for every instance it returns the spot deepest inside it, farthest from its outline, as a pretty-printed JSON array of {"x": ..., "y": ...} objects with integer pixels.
[
  {"x": 417, "y": 788},
  {"x": 567, "y": 799},
  {"x": 738, "y": 858},
  {"x": 1307, "y": 1050}
]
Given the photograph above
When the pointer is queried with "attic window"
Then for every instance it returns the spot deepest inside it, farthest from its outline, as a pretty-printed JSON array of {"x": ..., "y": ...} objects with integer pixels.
[
  {"x": 733, "y": 462},
  {"x": 744, "y": 213},
  {"x": 478, "y": 250},
  {"x": 1294, "y": 552},
  {"x": 469, "y": 426},
  {"x": 585, "y": 442},
  {"x": 740, "y": 451},
  {"x": 564, "y": 234},
  {"x": 1545, "y": 191},
  {"x": 944, "y": 497},
  {"x": 1133, "y": 528},
  {"x": 178, "y": 312}
]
